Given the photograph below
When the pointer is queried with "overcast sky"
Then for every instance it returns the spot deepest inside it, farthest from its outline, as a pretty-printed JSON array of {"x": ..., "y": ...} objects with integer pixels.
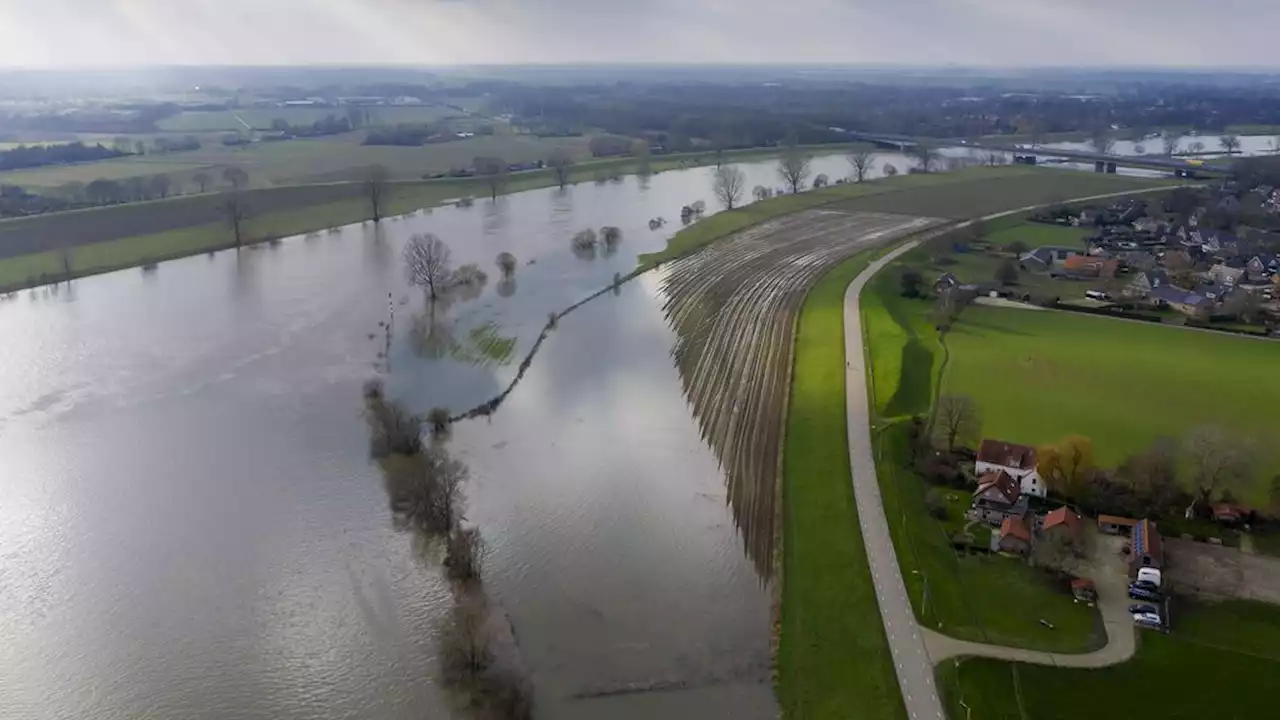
[{"x": 52, "y": 33}]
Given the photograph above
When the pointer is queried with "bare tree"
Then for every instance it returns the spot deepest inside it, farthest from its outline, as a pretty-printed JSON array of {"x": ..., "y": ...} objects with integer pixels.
[
  {"x": 426, "y": 260},
  {"x": 561, "y": 163},
  {"x": 958, "y": 422},
  {"x": 235, "y": 177},
  {"x": 728, "y": 183},
  {"x": 506, "y": 264},
  {"x": 860, "y": 160},
  {"x": 1169, "y": 142},
  {"x": 464, "y": 644},
  {"x": 464, "y": 554},
  {"x": 376, "y": 184},
  {"x": 1101, "y": 140},
  {"x": 889, "y": 170},
  {"x": 640, "y": 151},
  {"x": 1218, "y": 461},
  {"x": 202, "y": 180},
  {"x": 1195, "y": 147},
  {"x": 160, "y": 186},
  {"x": 793, "y": 166},
  {"x": 493, "y": 171},
  {"x": 925, "y": 155},
  {"x": 1230, "y": 144},
  {"x": 236, "y": 211},
  {"x": 761, "y": 192},
  {"x": 821, "y": 180}
]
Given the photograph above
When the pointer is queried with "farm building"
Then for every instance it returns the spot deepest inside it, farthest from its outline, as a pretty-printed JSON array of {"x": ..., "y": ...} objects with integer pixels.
[
  {"x": 1116, "y": 525},
  {"x": 1015, "y": 536},
  {"x": 1146, "y": 546},
  {"x": 996, "y": 498},
  {"x": 1019, "y": 461},
  {"x": 1064, "y": 520}
]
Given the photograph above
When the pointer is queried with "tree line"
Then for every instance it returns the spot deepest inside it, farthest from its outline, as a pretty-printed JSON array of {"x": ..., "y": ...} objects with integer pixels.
[{"x": 32, "y": 156}]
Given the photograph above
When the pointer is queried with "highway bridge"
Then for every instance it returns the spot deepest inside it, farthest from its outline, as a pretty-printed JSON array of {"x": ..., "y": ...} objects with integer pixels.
[{"x": 1101, "y": 162}]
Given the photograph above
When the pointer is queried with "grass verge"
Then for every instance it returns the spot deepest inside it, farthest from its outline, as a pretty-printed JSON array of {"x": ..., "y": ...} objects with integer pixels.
[
  {"x": 1219, "y": 662},
  {"x": 833, "y": 657}
]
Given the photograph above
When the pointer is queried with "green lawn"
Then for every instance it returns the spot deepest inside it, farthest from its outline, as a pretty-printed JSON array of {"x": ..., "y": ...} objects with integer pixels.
[
  {"x": 833, "y": 661},
  {"x": 1220, "y": 661},
  {"x": 1123, "y": 384},
  {"x": 950, "y": 592},
  {"x": 1033, "y": 235}
]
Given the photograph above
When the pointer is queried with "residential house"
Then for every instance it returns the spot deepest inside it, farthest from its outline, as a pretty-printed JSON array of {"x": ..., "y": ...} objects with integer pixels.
[
  {"x": 1116, "y": 525},
  {"x": 945, "y": 282},
  {"x": 1045, "y": 257},
  {"x": 996, "y": 498},
  {"x": 1145, "y": 546},
  {"x": 1139, "y": 260},
  {"x": 1015, "y": 536},
  {"x": 1184, "y": 301},
  {"x": 1144, "y": 282},
  {"x": 1018, "y": 461},
  {"x": 1088, "y": 267},
  {"x": 1257, "y": 269},
  {"x": 1175, "y": 260},
  {"x": 1224, "y": 274},
  {"x": 1229, "y": 204},
  {"x": 1145, "y": 224},
  {"x": 1064, "y": 520}
]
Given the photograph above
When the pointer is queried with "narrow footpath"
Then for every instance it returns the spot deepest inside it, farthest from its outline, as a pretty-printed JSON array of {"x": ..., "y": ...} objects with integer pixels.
[{"x": 916, "y": 650}]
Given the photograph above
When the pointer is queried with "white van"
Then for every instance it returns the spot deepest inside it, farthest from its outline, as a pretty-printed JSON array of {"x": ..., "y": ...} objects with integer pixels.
[
  {"x": 1151, "y": 575},
  {"x": 1097, "y": 295}
]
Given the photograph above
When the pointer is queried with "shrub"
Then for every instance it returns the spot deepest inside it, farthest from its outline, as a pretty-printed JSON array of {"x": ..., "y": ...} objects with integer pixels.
[{"x": 465, "y": 553}]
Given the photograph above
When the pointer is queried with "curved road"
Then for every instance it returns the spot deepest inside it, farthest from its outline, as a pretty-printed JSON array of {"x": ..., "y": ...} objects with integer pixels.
[{"x": 909, "y": 644}]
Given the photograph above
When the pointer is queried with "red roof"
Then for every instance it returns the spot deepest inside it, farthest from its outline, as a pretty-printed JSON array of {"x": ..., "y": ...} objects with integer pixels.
[
  {"x": 1006, "y": 454},
  {"x": 1116, "y": 520},
  {"x": 1227, "y": 511},
  {"x": 1003, "y": 483},
  {"x": 1082, "y": 262},
  {"x": 1015, "y": 527},
  {"x": 1062, "y": 516},
  {"x": 1081, "y": 583}
]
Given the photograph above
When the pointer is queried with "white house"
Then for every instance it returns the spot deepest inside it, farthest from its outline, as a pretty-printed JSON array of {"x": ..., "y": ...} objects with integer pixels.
[{"x": 1019, "y": 461}]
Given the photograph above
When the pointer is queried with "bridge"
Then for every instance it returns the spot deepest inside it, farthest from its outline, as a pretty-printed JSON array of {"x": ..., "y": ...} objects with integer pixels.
[{"x": 1030, "y": 155}]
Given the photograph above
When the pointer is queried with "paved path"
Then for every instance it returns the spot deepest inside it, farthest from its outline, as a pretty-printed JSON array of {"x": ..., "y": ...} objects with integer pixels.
[{"x": 913, "y": 649}]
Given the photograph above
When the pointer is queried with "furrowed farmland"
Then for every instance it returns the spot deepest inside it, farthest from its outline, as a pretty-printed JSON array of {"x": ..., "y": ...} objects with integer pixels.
[{"x": 734, "y": 308}]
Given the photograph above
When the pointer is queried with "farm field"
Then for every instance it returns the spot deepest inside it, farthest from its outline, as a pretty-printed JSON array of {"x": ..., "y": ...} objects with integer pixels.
[
  {"x": 262, "y": 118},
  {"x": 1220, "y": 661},
  {"x": 1120, "y": 383},
  {"x": 950, "y": 591},
  {"x": 311, "y": 160},
  {"x": 999, "y": 192},
  {"x": 733, "y": 307},
  {"x": 833, "y": 654},
  {"x": 1034, "y": 235}
]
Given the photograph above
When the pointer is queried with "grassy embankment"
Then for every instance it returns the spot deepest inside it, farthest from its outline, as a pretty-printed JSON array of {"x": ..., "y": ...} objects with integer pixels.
[
  {"x": 834, "y": 658},
  {"x": 1220, "y": 661},
  {"x": 951, "y": 591},
  {"x": 120, "y": 236},
  {"x": 1123, "y": 384}
]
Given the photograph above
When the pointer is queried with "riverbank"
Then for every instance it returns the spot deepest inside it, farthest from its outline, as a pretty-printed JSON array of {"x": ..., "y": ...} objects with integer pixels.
[{"x": 35, "y": 250}]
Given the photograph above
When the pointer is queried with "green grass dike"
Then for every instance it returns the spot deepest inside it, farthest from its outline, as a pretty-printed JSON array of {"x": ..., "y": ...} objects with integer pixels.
[
  {"x": 1220, "y": 661},
  {"x": 833, "y": 658}
]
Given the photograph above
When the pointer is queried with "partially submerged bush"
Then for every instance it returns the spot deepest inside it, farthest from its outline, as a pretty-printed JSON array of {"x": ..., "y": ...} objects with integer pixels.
[
  {"x": 610, "y": 236},
  {"x": 393, "y": 430},
  {"x": 469, "y": 274},
  {"x": 584, "y": 240},
  {"x": 506, "y": 264},
  {"x": 465, "y": 553},
  {"x": 438, "y": 417}
]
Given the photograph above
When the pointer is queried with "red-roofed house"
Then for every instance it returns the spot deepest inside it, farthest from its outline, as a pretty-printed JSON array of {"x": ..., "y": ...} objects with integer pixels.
[
  {"x": 1019, "y": 461},
  {"x": 1228, "y": 514},
  {"x": 1015, "y": 536},
  {"x": 1064, "y": 519}
]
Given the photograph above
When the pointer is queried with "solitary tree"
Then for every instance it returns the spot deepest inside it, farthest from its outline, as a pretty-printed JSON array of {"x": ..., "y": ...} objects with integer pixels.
[
  {"x": 1017, "y": 247},
  {"x": 202, "y": 180},
  {"x": 561, "y": 162},
  {"x": 1218, "y": 461},
  {"x": 493, "y": 171},
  {"x": 1101, "y": 140},
  {"x": 1169, "y": 142},
  {"x": 911, "y": 282},
  {"x": 160, "y": 186},
  {"x": 426, "y": 260},
  {"x": 236, "y": 212},
  {"x": 1196, "y": 147},
  {"x": 235, "y": 177},
  {"x": 959, "y": 421},
  {"x": 376, "y": 179},
  {"x": 761, "y": 192},
  {"x": 728, "y": 183},
  {"x": 925, "y": 155},
  {"x": 1230, "y": 144},
  {"x": 1007, "y": 272},
  {"x": 889, "y": 170},
  {"x": 640, "y": 151},
  {"x": 860, "y": 161},
  {"x": 506, "y": 265},
  {"x": 793, "y": 166}
]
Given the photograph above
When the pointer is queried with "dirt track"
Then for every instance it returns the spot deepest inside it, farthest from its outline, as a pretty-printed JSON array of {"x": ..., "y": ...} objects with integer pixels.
[{"x": 734, "y": 307}]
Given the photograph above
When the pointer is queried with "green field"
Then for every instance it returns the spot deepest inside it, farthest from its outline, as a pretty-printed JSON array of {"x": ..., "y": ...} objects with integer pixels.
[
  {"x": 950, "y": 591},
  {"x": 1121, "y": 383},
  {"x": 1034, "y": 235},
  {"x": 1220, "y": 661},
  {"x": 833, "y": 661},
  {"x": 261, "y": 118}
]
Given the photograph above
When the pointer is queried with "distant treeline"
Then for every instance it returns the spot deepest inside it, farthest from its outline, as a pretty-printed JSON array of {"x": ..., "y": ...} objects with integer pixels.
[
  {"x": 404, "y": 135},
  {"x": 328, "y": 125},
  {"x": 32, "y": 156}
]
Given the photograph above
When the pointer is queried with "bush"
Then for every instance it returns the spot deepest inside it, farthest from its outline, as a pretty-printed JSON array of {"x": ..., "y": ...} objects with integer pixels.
[
  {"x": 936, "y": 504},
  {"x": 393, "y": 430},
  {"x": 464, "y": 555}
]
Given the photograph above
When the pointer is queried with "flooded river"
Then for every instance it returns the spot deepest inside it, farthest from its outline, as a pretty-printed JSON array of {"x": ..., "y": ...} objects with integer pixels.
[{"x": 190, "y": 526}]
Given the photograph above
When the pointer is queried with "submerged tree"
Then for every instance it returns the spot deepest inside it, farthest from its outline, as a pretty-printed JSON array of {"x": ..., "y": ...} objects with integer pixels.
[
  {"x": 1169, "y": 142},
  {"x": 375, "y": 189},
  {"x": 860, "y": 160},
  {"x": 561, "y": 163},
  {"x": 493, "y": 171},
  {"x": 728, "y": 183},
  {"x": 506, "y": 263},
  {"x": 794, "y": 166},
  {"x": 236, "y": 212},
  {"x": 427, "y": 259}
]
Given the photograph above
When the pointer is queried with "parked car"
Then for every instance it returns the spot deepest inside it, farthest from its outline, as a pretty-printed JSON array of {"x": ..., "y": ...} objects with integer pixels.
[
  {"x": 1141, "y": 593},
  {"x": 1149, "y": 575},
  {"x": 1146, "y": 618},
  {"x": 1141, "y": 608},
  {"x": 1144, "y": 584}
]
